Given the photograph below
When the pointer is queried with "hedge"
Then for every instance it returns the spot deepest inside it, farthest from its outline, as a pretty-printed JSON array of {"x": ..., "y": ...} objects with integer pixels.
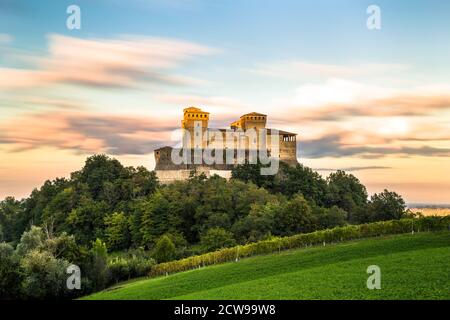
[{"x": 322, "y": 237}]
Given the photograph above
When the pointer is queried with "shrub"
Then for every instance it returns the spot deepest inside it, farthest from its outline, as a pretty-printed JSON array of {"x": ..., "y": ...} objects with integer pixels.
[
  {"x": 118, "y": 269},
  {"x": 216, "y": 238},
  {"x": 135, "y": 263},
  {"x": 164, "y": 249}
]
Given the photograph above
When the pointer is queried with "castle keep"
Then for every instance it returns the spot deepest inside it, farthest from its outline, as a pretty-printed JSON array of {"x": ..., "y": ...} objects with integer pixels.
[{"x": 216, "y": 151}]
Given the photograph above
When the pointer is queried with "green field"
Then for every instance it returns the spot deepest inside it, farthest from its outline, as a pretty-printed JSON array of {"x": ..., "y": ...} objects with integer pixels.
[{"x": 412, "y": 267}]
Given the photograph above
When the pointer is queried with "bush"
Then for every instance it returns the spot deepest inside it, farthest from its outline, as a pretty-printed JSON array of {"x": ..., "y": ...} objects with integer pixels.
[
  {"x": 127, "y": 267},
  {"x": 118, "y": 269},
  {"x": 216, "y": 238},
  {"x": 164, "y": 249}
]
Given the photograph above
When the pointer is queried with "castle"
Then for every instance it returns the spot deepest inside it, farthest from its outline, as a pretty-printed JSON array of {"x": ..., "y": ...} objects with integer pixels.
[{"x": 225, "y": 148}]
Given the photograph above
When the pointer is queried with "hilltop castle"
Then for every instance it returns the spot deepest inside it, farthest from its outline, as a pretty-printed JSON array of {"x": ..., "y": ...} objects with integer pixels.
[{"x": 245, "y": 138}]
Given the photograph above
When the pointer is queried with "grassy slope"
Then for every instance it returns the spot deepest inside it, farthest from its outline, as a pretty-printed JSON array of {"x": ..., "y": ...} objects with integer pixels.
[{"x": 412, "y": 267}]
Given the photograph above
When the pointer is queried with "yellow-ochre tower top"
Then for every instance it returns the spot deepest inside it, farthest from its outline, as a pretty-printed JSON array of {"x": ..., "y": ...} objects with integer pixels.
[
  {"x": 193, "y": 116},
  {"x": 253, "y": 120}
]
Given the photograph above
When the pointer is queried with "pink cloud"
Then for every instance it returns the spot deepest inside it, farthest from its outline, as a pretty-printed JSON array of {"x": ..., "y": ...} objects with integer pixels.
[
  {"x": 122, "y": 62},
  {"x": 85, "y": 133}
]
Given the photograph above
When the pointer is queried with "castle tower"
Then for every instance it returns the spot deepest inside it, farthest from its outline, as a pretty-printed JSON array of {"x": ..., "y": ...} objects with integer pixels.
[
  {"x": 251, "y": 120},
  {"x": 195, "y": 121}
]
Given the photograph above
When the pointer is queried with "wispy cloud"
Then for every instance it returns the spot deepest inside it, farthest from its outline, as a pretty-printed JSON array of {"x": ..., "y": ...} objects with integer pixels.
[
  {"x": 85, "y": 132},
  {"x": 120, "y": 62},
  {"x": 351, "y": 169},
  {"x": 294, "y": 69},
  {"x": 333, "y": 145},
  {"x": 337, "y": 99},
  {"x": 5, "y": 38}
]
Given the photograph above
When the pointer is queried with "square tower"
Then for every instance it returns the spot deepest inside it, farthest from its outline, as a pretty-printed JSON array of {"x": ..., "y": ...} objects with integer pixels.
[{"x": 195, "y": 122}]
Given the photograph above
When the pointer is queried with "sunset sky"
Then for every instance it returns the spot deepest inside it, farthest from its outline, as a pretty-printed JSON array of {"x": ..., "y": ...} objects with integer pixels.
[{"x": 373, "y": 102}]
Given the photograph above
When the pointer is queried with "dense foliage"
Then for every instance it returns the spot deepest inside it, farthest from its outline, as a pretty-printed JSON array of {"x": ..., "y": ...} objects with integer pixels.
[{"x": 115, "y": 221}]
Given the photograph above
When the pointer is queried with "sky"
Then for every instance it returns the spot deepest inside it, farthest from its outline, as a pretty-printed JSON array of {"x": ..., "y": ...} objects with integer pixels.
[{"x": 373, "y": 102}]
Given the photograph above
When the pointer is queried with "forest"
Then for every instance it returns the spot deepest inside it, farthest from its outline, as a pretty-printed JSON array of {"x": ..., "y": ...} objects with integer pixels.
[{"x": 117, "y": 222}]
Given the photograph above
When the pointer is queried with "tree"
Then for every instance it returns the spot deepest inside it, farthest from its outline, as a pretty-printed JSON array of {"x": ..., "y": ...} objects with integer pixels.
[
  {"x": 98, "y": 170},
  {"x": 217, "y": 238},
  {"x": 30, "y": 240},
  {"x": 34, "y": 206},
  {"x": 117, "y": 234},
  {"x": 301, "y": 179},
  {"x": 252, "y": 173},
  {"x": 164, "y": 249},
  {"x": 387, "y": 205},
  {"x": 64, "y": 247},
  {"x": 155, "y": 218},
  {"x": 346, "y": 192},
  {"x": 11, "y": 212},
  {"x": 259, "y": 223},
  {"x": 87, "y": 220},
  {"x": 330, "y": 217},
  {"x": 10, "y": 273},
  {"x": 44, "y": 275},
  {"x": 144, "y": 182},
  {"x": 98, "y": 266},
  {"x": 294, "y": 217}
]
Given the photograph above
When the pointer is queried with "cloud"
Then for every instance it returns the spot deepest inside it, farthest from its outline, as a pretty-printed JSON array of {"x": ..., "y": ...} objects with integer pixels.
[
  {"x": 197, "y": 100},
  {"x": 5, "y": 38},
  {"x": 85, "y": 133},
  {"x": 304, "y": 69},
  {"x": 351, "y": 169},
  {"x": 333, "y": 145},
  {"x": 122, "y": 62},
  {"x": 337, "y": 99}
]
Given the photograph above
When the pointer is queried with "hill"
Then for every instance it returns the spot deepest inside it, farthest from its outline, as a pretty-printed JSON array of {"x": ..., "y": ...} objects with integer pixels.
[{"x": 412, "y": 267}]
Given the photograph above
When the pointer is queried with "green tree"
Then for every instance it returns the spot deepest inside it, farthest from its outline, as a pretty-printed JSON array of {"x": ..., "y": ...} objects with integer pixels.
[
  {"x": 64, "y": 247},
  {"x": 259, "y": 223},
  {"x": 11, "y": 212},
  {"x": 301, "y": 179},
  {"x": 387, "y": 205},
  {"x": 10, "y": 273},
  {"x": 164, "y": 249},
  {"x": 98, "y": 170},
  {"x": 216, "y": 238},
  {"x": 44, "y": 275},
  {"x": 87, "y": 220},
  {"x": 295, "y": 217},
  {"x": 252, "y": 173},
  {"x": 346, "y": 192},
  {"x": 117, "y": 234},
  {"x": 330, "y": 217},
  {"x": 98, "y": 266},
  {"x": 31, "y": 240},
  {"x": 155, "y": 218}
]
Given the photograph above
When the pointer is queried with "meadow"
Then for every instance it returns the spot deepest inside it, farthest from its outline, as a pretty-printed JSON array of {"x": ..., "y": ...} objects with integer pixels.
[{"x": 413, "y": 266}]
